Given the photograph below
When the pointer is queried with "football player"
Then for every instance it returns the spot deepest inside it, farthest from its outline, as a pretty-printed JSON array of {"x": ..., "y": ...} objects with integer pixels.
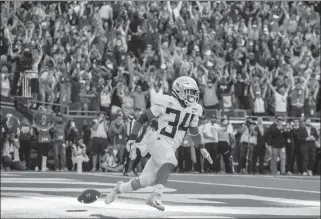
[{"x": 176, "y": 114}]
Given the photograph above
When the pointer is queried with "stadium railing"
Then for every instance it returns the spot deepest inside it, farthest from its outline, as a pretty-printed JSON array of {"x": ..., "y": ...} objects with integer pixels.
[
  {"x": 82, "y": 113},
  {"x": 25, "y": 80},
  {"x": 64, "y": 110}
]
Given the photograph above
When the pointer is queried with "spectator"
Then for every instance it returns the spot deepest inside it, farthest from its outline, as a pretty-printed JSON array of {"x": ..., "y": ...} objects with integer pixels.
[
  {"x": 25, "y": 142},
  {"x": 226, "y": 142},
  {"x": 249, "y": 142},
  {"x": 109, "y": 161},
  {"x": 276, "y": 140},
  {"x": 43, "y": 122},
  {"x": 317, "y": 169},
  {"x": 308, "y": 137},
  {"x": 260, "y": 149},
  {"x": 79, "y": 153},
  {"x": 280, "y": 95},
  {"x": 10, "y": 154},
  {"x": 289, "y": 146},
  {"x": 297, "y": 146},
  {"x": 59, "y": 143},
  {"x": 139, "y": 98},
  {"x": 99, "y": 139},
  {"x": 117, "y": 130},
  {"x": 210, "y": 131},
  {"x": 5, "y": 83},
  {"x": 184, "y": 155}
]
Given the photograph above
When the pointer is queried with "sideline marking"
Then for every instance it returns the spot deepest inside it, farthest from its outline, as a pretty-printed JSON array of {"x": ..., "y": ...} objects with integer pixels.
[{"x": 226, "y": 185}]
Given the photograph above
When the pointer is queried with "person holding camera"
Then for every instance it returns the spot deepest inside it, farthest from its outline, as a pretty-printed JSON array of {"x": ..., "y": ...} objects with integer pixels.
[
  {"x": 10, "y": 154},
  {"x": 79, "y": 153},
  {"x": 109, "y": 161},
  {"x": 99, "y": 139},
  {"x": 276, "y": 142},
  {"x": 248, "y": 143}
]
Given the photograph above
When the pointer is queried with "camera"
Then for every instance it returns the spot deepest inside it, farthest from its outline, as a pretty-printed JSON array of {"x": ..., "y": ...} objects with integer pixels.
[
  {"x": 249, "y": 123},
  {"x": 26, "y": 60}
]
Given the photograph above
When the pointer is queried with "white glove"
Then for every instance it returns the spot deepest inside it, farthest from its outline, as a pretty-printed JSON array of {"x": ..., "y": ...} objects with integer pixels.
[
  {"x": 129, "y": 145},
  {"x": 206, "y": 155}
]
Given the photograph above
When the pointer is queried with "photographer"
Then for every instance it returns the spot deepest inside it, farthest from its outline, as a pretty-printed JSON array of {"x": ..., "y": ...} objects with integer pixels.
[
  {"x": 10, "y": 154},
  {"x": 79, "y": 152},
  {"x": 248, "y": 143},
  {"x": 109, "y": 161},
  {"x": 276, "y": 143}
]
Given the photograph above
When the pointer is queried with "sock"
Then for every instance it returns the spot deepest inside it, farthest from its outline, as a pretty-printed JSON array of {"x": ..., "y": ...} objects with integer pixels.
[
  {"x": 159, "y": 188},
  {"x": 131, "y": 185},
  {"x": 126, "y": 187},
  {"x": 163, "y": 173}
]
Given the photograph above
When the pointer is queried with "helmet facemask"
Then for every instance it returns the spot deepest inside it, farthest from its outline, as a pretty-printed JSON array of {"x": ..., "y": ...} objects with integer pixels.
[{"x": 190, "y": 96}]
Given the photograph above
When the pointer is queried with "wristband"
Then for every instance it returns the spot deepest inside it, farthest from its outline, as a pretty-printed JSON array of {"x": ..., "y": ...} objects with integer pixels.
[{"x": 132, "y": 137}]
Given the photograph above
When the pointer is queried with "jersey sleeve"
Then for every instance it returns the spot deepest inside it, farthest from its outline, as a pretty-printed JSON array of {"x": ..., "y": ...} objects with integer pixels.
[
  {"x": 159, "y": 106},
  {"x": 198, "y": 113}
]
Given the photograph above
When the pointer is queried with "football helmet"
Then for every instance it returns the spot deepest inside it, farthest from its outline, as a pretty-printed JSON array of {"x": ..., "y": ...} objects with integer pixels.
[{"x": 185, "y": 89}]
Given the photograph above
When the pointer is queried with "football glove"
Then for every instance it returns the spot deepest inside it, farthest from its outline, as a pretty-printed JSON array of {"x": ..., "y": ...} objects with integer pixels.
[
  {"x": 206, "y": 155},
  {"x": 129, "y": 145}
]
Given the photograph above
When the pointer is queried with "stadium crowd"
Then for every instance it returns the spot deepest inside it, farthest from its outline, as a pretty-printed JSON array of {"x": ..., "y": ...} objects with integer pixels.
[{"x": 117, "y": 57}]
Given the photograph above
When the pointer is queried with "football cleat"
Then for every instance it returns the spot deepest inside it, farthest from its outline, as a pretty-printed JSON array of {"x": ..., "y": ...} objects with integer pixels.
[
  {"x": 113, "y": 195},
  {"x": 155, "y": 201},
  {"x": 89, "y": 196}
]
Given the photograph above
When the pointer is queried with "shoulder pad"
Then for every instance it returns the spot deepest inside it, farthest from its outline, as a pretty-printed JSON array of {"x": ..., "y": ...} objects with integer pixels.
[{"x": 165, "y": 100}]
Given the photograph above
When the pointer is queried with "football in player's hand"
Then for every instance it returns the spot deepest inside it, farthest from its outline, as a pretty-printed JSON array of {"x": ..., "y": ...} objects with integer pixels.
[{"x": 89, "y": 196}]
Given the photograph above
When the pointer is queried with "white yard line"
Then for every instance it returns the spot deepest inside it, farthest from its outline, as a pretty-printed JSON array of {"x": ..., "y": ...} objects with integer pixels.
[
  {"x": 224, "y": 184},
  {"x": 201, "y": 183}
]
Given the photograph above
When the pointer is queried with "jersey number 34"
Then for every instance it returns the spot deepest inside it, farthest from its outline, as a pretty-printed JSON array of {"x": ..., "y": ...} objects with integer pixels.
[{"x": 175, "y": 124}]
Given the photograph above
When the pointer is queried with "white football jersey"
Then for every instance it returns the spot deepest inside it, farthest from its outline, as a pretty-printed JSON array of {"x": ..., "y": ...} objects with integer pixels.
[{"x": 174, "y": 120}]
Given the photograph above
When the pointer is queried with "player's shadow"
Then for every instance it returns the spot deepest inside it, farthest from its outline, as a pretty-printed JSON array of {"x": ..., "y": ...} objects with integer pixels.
[{"x": 102, "y": 216}]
